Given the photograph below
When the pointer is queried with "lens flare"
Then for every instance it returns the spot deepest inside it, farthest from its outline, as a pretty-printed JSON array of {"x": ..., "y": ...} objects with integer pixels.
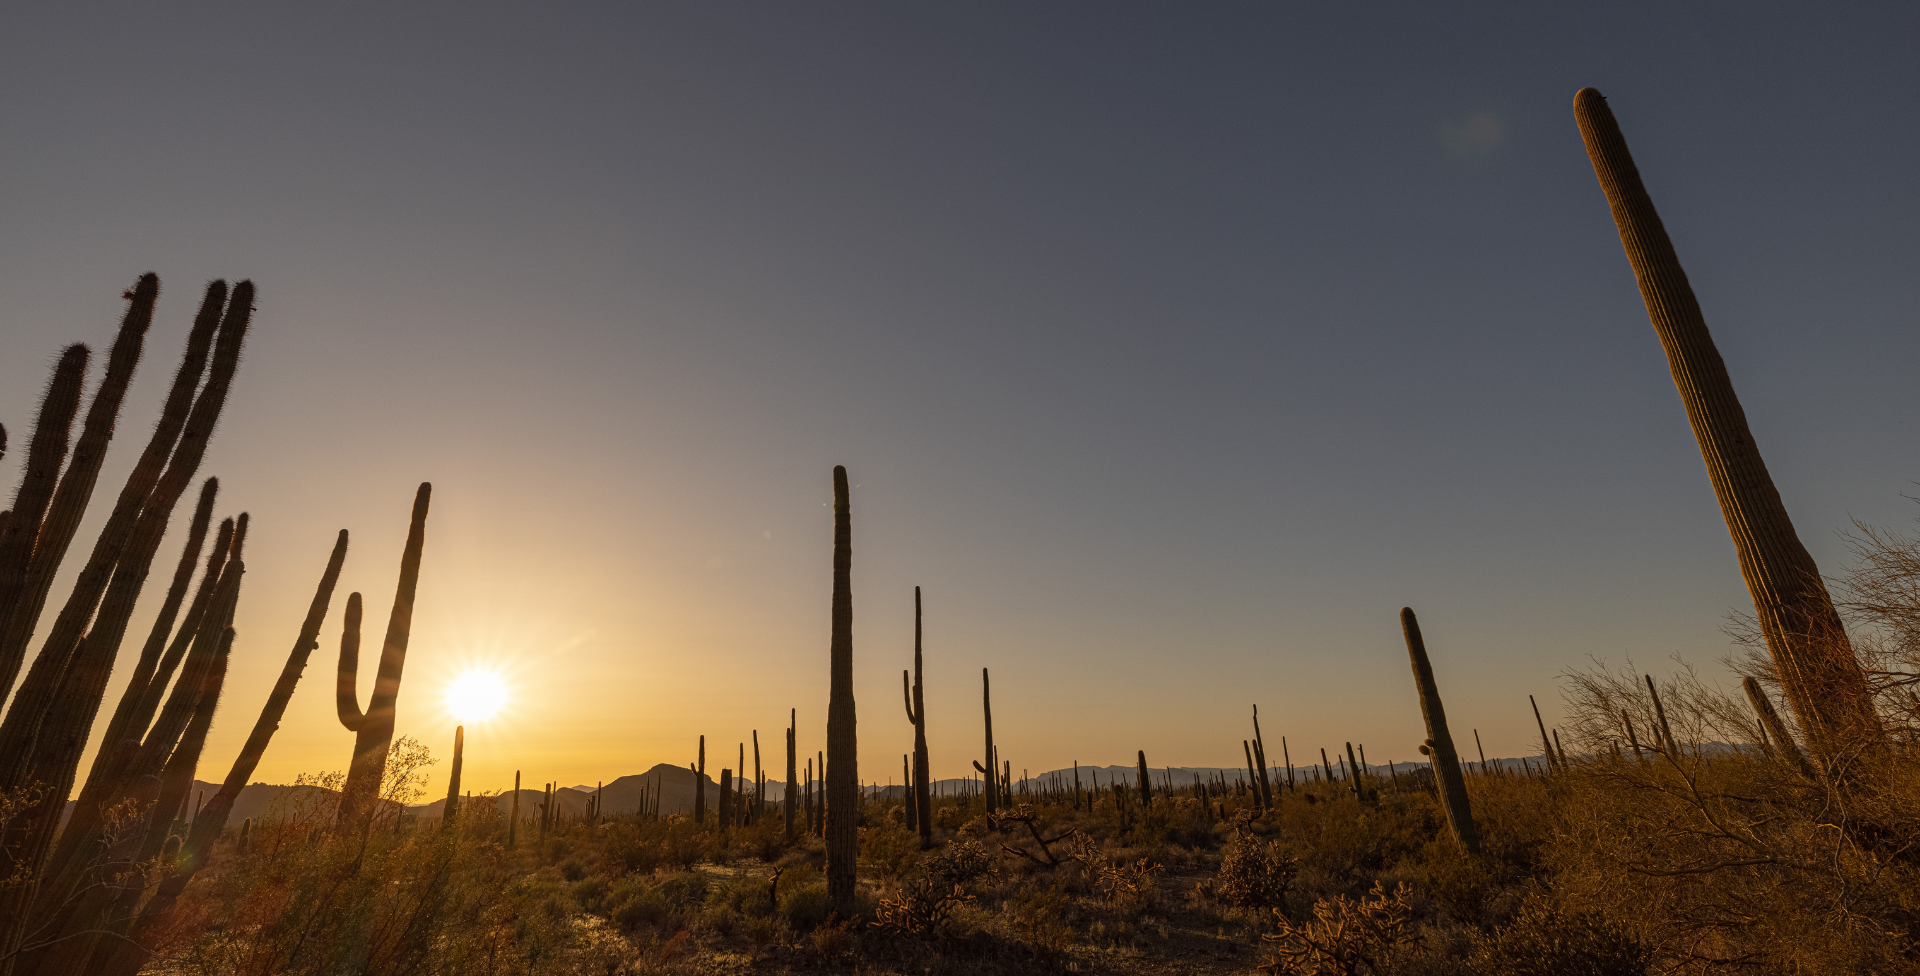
[{"x": 476, "y": 696}]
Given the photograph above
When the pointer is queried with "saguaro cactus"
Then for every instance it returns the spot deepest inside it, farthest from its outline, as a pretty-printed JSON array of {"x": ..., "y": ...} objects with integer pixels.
[
  {"x": 513, "y": 819},
  {"x": 989, "y": 772},
  {"x": 1546, "y": 741},
  {"x": 842, "y": 771},
  {"x": 1439, "y": 744},
  {"x": 451, "y": 811},
  {"x": 793, "y": 760},
  {"x": 1146, "y": 786},
  {"x": 700, "y": 784},
  {"x": 1260, "y": 753},
  {"x": 373, "y": 729},
  {"x": 1818, "y": 670},
  {"x": 920, "y": 797}
]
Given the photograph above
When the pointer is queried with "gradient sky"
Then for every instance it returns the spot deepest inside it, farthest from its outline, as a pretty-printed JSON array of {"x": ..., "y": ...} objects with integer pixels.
[{"x": 1172, "y": 348}]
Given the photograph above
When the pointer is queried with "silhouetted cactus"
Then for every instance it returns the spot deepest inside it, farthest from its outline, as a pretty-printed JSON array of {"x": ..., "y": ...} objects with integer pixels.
[
  {"x": 1439, "y": 745},
  {"x": 1546, "y": 743},
  {"x": 451, "y": 811},
  {"x": 513, "y": 819},
  {"x": 700, "y": 784},
  {"x": 1260, "y": 754},
  {"x": 143, "y": 669},
  {"x": 1662, "y": 731},
  {"x": 919, "y": 797},
  {"x": 373, "y": 729},
  {"x": 793, "y": 769},
  {"x": 46, "y": 452},
  {"x": 1818, "y": 670},
  {"x": 1146, "y": 785},
  {"x": 304, "y": 644},
  {"x": 842, "y": 772},
  {"x": 988, "y": 772}
]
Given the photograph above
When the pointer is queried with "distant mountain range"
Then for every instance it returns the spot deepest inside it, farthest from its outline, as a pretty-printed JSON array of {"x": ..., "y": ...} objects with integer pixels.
[{"x": 676, "y": 786}]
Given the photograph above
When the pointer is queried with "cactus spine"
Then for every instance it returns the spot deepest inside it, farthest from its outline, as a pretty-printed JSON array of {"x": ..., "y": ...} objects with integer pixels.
[
  {"x": 373, "y": 729},
  {"x": 919, "y": 796},
  {"x": 1818, "y": 671},
  {"x": 451, "y": 812},
  {"x": 842, "y": 771},
  {"x": 1439, "y": 746}
]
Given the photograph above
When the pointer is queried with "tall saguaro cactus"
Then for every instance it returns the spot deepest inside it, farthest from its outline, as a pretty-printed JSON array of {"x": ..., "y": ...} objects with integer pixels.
[
  {"x": 843, "y": 772},
  {"x": 793, "y": 769},
  {"x": 1818, "y": 671},
  {"x": 920, "y": 797},
  {"x": 1439, "y": 744},
  {"x": 373, "y": 729},
  {"x": 700, "y": 784},
  {"x": 989, "y": 773}
]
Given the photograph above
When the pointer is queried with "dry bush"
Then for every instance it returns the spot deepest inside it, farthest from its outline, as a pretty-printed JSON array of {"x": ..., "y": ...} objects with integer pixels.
[
  {"x": 1346, "y": 937},
  {"x": 1253, "y": 873}
]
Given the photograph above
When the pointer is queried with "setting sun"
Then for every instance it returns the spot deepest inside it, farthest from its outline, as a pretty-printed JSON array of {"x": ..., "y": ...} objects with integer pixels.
[{"x": 476, "y": 695}]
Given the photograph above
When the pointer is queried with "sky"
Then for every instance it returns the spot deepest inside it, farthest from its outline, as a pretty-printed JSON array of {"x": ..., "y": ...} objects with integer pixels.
[{"x": 1171, "y": 349}]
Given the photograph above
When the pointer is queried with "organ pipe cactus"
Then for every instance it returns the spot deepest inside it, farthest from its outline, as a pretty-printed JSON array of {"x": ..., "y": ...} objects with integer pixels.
[
  {"x": 149, "y": 659},
  {"x": 373, "y": 729},
  {"x": 842, "y": 771},
  {"x": 68, "y": 503},
  {"x": 304, "y": 644},
  {"x": 1822, "y": 678},
  {"x": 1439, "y": 745},
  {"x": 121, "y": 741},
  {"x": 46, "y": 452},
  {"x": 920, "y": 798},
  {"x": 47, "y": 726}
]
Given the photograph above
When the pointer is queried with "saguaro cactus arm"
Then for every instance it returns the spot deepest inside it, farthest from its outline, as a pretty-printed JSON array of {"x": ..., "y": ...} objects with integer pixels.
[{"x": 346, "y": 695}]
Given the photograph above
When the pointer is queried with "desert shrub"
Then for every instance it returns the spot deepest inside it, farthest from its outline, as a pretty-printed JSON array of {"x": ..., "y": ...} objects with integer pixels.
[
  {"x": 1041, "y": 914},
  {"x": 1543, "y": 941},
  {"x": 888, "y": 852},
  {"x": 1345, "y": 937},
  {"x": 806, "y": 907},
  {"x": 1253, "y": 874},
  {"x": 924, "y": 905}
]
